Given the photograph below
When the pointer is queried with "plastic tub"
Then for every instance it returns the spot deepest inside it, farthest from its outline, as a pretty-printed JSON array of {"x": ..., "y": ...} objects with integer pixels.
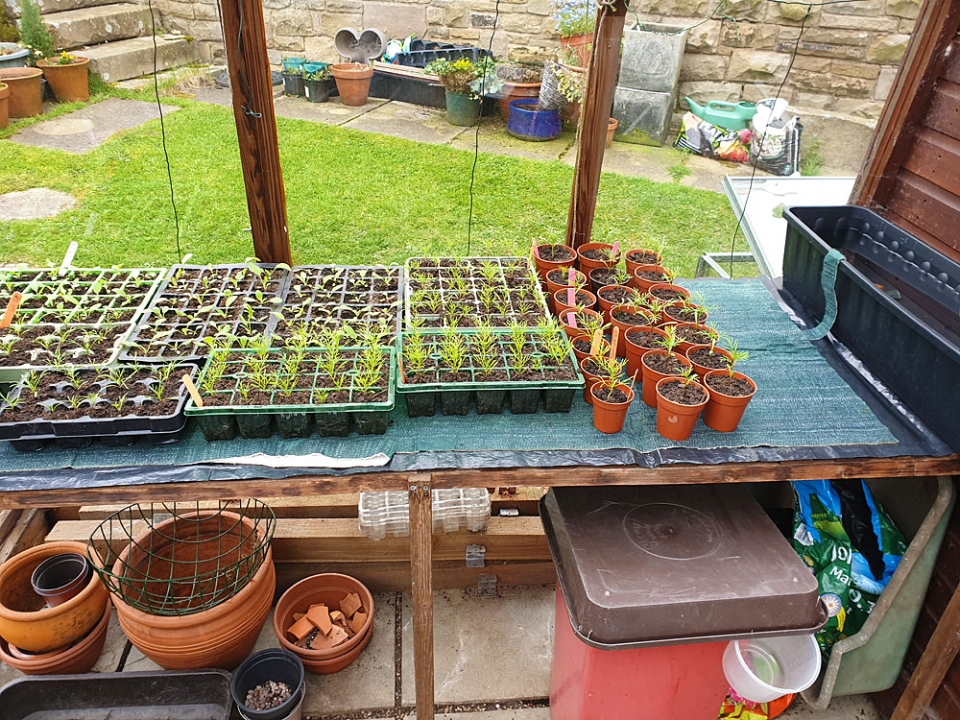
[
  {"x": 275, "y": 664},
  {"x": 61, "y": 577},
  {"x": 764, "y": 669},
  {"x": 528, "y": 123},
  {"x": 16, "y": 58}
]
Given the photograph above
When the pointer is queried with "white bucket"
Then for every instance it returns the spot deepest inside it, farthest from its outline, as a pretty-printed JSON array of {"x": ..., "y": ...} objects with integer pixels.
[{"x": 763, "y": 669}]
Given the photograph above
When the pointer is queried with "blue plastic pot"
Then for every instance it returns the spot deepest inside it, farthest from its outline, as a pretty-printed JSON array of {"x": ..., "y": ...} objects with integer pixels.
[
  {"x": 528, "y": 123},
  {"x": 17, "y": 57}
]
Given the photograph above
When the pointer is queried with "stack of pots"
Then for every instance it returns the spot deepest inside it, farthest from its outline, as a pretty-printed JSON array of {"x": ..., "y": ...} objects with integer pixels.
[
  {"x": 328, "y": 589},
  {"x": 54, "y": 611}
]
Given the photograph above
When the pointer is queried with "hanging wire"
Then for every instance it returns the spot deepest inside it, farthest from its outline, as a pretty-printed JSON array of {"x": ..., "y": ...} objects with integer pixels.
[
  {"x": 242, "y": 72},
  {"x": 163, "y": 131}
]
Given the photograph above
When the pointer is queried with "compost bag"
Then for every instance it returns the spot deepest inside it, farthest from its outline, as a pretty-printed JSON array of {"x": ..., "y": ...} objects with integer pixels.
[
  {"x": 712, "y": 141},
  {"x": 852, "y": 547}
]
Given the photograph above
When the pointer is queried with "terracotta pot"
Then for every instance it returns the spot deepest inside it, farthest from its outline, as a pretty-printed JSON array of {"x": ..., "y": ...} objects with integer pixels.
[
  {"x": 553, "y": 286},
  {"x": 545, "y": 266},
  {"x": 609, "y": 417},
  {"x": 69, "y": 82},
  {"x": 676, "y": 421},
  {"x": 77, "y": 658},
  {"x": 634, "y": 352},
  {"x": 643, "y": 284},
  {"x": 641, "y": 256},
  {"x": 590, "y": 378},
  {"x": 220, "y": 636},
  {"x": 4, "y": 105},
  {"x": 701, "y": 315},
  {"x": 601, "y": 277},
  {"x": 515, "y": 91},
  {"x": 353, "y": 82},
  {"x": 580, "y": 45},
  {"x": 630, "y": 298},
  {"x": 569, "y": 329},
  {"x": 330, "y": 589},
  {"x": 624, "y": 326},
  {"x": 26, "y": 96},
  {"x": 25, "y": 622},
  {"x": 668, "y": 288},
  {"x": 587, "y": 264},
  {"x": 651, "y": 377},
  {"x": 611, "y": 131},
  {"x": 685, "y": 345},
  {"x": 702, "y": 370},
  {"x": 335, "y": 665},
  {"x": 723, "y": 412},
  {"x": 561, "y": 300},
  {"x": 604, "y": 347}
]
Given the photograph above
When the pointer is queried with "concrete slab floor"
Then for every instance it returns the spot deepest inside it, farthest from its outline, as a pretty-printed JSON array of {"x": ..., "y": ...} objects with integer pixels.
[
  {"x": 494, "y": 139},
  {"x": 88, "y": 128},
  {"x": 414, "y": 122},
  {"x": 332, "y": 112},
  {"x": 34, "y": 204}
]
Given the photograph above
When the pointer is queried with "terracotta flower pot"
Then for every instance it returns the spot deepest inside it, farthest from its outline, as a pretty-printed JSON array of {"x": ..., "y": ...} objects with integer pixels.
[
  {"x": 643, "y": 284},
  {"x": 683, "y": 312},
  {"x": 515, "y": 91},
  {"x": 590, "y": 378},
  {"x": 26, "y": 96},
  {"x": 580, "y": 45},
  {"x": 611, "y": 131},
  {"x": 724, "y": 412},
  {"x": 587, "y": 264},
  {"x": 702, "y": 334},
  {"x": 668, "y": 292},
  {"x": 651, "y": 377},
  {"x": 608, "y": 417},
  {"x": 621, "y": 295},
  {"x": 69, "y": 81},
  {"x": 676, "y": 421},
  {"x": 220, "y": 636},
  {"x": 558, "y": 279},
  {"x": 25, "y": 622},
  {"x": 638, "y": 314},
  {"x": 561, "y": 300},
  {"x": 330, "y": 589},
  {"x": 77, "y": 658},
  {"x": 636, "y": 257},
  {"x": 701, "y": 370},
  {"x": 635, "y": 352},
  {"x": 571, "y": 330},
  {"x": 4, "y": 105},
  {"x": 353, "y": 82},
  {"x": 581, "y": 354}
]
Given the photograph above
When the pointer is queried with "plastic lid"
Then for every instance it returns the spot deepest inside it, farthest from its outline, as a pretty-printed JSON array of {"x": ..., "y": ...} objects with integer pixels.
[{"x": 662, "y": 565}]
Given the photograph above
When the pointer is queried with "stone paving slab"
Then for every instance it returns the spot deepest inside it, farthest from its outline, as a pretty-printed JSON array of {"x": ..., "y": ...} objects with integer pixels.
[
  {"x": 332, "y": 112},
  {"x": 494, "y": 139},
  {"x": 88, "y": 128},
  {"x": 34, "y": 204},
  {"x": 414, "y": 122},
  {"x": 486, "y": 649}
]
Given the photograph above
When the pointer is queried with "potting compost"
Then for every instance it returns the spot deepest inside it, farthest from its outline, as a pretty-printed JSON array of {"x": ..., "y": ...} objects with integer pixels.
[{"x": 267, "y": 695}]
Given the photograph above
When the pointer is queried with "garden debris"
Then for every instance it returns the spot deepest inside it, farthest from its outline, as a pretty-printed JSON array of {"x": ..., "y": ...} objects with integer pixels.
[
  {"x": 301, "y": 628},
  {"x": 319, "y": 616},
  {"x": 321, "y": 628},
  {"x": 267, "y": 695},
  {"x": 350, "y": 604}
]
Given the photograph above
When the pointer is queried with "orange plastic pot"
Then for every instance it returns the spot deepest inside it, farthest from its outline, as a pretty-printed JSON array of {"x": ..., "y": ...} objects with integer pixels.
[
  {"x": 553, "y": 285},
  {"x": 561, "y": 301},
  {"x": 609, "y": 417},
  {"x": 667, "y": 317},
  {"x": 668, "y": 287},
  {"x": 724, "y": 412},
  {"x": 684, "y": 344},
  {"x": 26, "y": 96},
  {"x": 631, "y": 297},
  {"x": 78, "y": 658},
  {"x": 702, "y": 370},
  {"x": 644, "y": 284},
  {"x": 69, "y": 82},
  {"x": 634, "y": 352},
  {"x": 590, "y": 379},
  {"x": 651, "y": 377},
  {"x": 638, "y": 257},
  {"x": 571, "y": 330},
  {"x": 604, "y": 346},
  {"x": 353, "y": 82},
  {"x": 676, "y": 421},
  {"x": 569, "y": 257},
  {"x": 636, "y": 312},
  {"x": 26, "y": 623},
  {"x": 588, "y": 264}
]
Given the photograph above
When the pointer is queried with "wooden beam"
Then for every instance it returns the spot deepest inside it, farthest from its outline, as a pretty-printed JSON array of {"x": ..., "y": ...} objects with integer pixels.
[
  {"x": 421, "y": 564},
  {"x": 594, "y": 118},
  {"x": 252, "y": 87}
]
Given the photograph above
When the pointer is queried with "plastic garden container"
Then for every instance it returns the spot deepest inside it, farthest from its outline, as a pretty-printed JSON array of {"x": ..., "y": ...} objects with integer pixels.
[
  {"x": 61, "y": 577},
  {"x": 870, "y": 660},
  {"x": 651, "y": 583},
  {"x": 898, "y": 302},
  {"x": 765, "y": 669},
  {"x": 528, "y": 123},
  {"x": 388, "y": 512},
  {"x": 274, "y": 664},
  {"x": 16, "y": 58}
]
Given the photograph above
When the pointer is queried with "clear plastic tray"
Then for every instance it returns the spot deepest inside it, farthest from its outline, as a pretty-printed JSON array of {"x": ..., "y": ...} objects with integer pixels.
[{"x": 388, "y": 513}]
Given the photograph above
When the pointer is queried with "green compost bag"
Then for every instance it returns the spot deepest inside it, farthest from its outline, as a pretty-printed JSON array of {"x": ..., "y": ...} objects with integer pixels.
[{"x": 852, "y": 547}]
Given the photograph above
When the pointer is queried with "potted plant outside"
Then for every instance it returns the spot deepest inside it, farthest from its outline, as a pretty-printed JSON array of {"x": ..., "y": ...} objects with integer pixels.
[
  {"x": 67, "y": 76},
  {"x": 353, "y": 82},
  {"x": 730, "y": 392},
  {"x": 604, "y": 276},
  {"x": 573, "y": 299},
  {"x": 669, "y": 292},
  {"x": 465, "y": 83},
  {"x": 518, "y": 82},
  {"x": 626, "y": 317},
  {"x": 645, "y": 277},
  {"x": 577, "y": 322},
  {"x": 680, "y": 400},
  {"x": 636, "y": 257},
  {"x": 638, "y": 341},
  {"x": 318, "y": 84},
  {"x": 574, "y": 24},
  {"x": 708, "y": 357},
  {"x": 293, "y": 72},
  {"x": 13, "y": 55},
  {"x": 550, "y": 256},
  {"x": 660, "y": 363},
  {"x": 596, "y": 368},
  {"x": 594, "y": 255},
  {"x": 611, "y": 295},
  {"x": 25, "y": 92},
  {"x": 529, "y": 121},
  {"x": 611, "y": 401}
]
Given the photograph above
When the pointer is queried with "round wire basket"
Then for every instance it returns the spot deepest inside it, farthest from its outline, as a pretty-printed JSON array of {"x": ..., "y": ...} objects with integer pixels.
[{"x": 181, "y": 558}]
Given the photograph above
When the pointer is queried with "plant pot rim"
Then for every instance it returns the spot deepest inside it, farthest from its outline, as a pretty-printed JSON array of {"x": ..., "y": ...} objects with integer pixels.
[
  {"x": 737, "y": 375},
  {"x": 19, "y": 73},
  {"x": 15, "y": 657},
  {"x": 623, "y": 386},
  {"x": 51, "y": 63},
  {"x": 675, "y": 378}
]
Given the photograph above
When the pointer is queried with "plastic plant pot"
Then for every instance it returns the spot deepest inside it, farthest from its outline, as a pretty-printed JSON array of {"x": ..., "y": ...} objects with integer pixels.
[
  {"x": 669, "y": 292},
  {"x": 462, "y": 110},
  {"x": 651, "y": 377},
  {"x": 635, "y": 351},
  {"x": 333, "y": 424},
  {"x": 675, "y": 421},
  {"x": 610, "y": 296},
  {"x": 371, "y": 423},
  {"x": 560, "y": 256},
  {"x": 255, "y": 426},
  {"x": 583, "y": 298},
  {"x": 61, "y": 577},
  {"x": 528, "y": 123},
  {"x": 763, "y": 669},
  {"x": 317, "y": 91},
  {"x": 601, "y": 277},
  {"x": 455, "y": 402},
  {"x": 702, "y": 334},
  {"x": 292, "y": 83},
  {"x": 569, "y": 316},
  {"x": 553, "y": 285},
  {"x": 558, "y": 400},
  {"x": 277, "y": 665},
  {"x": 490, "y": 402},
  {"x": 684, "y": 313},
  {"x": 217, "y": 427},
  {"x": 588, "y": 263},
  {"x": 621, "y": 317},
  {"x": 294, "y": 425},
  {"x": 421, "y": 404},
  {"x": 724, "y": 412},
  {"x": 608, "y": 417},
  {"x": 638, "y": 257},
  {"x": 524, "y": 402},
  {"x": 719, "y": 354}
]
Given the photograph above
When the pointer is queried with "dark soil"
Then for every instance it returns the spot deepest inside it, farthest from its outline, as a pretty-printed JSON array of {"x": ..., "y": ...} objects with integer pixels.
[
  {"x": 652, "y": 276},
  {"x": 667, "y": 294},
  {"x": 556, "y": 253},
  {"x": 684, "y": 313},
  {"x": 663, "y": 364},
  {"x": 682, "y": 393},
  {"x": 643, "y": 257},
  {"x": 597, "y": 254},
  {"x": 712, "y": 360},
  {"x": 591, "y": 367},
  {"x": 694, "y": 335},
  {"x": 581, "y": 299},
  {"x": 560, "y": 277},
  {"x": 603, "y": 276},
  {"x": 629, "y": 318},
  {"x": 619, "y": 295},
  {"x": 610, "y": 395},
  {"x": 267, "y": 695},
  {"x": 644, "y": 339},
  {"x": 727, "y": 385}
]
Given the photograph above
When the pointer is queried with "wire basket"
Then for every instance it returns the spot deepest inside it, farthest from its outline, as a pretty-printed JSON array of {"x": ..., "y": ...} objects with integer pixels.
[{"x": 181, "y": 558}]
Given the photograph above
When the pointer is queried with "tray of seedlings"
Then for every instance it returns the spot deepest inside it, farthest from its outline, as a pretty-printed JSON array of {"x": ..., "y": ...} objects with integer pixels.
[
  {"x": 489, "y": 366},
  {"x": 68, "y": 316},
  {"x": 199, "y": 307},
  {"x": 72, "y": 406},
  {"x": 467, "y": 292},
  {"x": 330, "y": 297},
  {"x": 296, "y": 389}
]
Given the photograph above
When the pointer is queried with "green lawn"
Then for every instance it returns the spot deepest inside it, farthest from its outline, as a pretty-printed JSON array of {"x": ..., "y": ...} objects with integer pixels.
[{"x": 352, "y": 197}]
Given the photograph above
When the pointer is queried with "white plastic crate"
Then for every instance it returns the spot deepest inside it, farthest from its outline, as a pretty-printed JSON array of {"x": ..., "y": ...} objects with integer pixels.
[{"x": 383, "y": 513}]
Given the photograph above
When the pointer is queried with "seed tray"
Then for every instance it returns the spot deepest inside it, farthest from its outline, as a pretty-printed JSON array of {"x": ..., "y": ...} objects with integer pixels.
[
  {"x": 388, "y": 512},
  {"x": 522, "y": 390},
  {"x": 328, "y": 297},
  {"x": 177, "y": 321},
  {"x": 87, "y": 382},
  {"x": 466, "y": 292},
  {"x": 292, "y": 409}
]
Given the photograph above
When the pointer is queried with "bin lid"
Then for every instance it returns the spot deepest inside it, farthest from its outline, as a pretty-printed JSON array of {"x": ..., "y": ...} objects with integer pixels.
[{"x": 659, "y": 565}]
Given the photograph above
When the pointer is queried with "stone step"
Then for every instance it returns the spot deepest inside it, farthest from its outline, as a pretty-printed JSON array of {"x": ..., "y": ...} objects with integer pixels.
[
  {"x": 133, "y": 57},
  {"x": 55, "y": 6},
  {"x": 100, "y": 24}
]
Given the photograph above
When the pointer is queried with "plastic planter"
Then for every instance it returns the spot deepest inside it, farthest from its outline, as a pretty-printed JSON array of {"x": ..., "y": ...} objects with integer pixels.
[
  {"x": 274, "y": 664},
  {"x": 317, "y": 91},
  {"x": 528, "y": 123},
  {"x": 294, "y": 425},
  {"x": 675, "y": 421},
  {"x": 462, "y": 109},
  {"x": 61, "y": 577},
  {"x": 292, "y": 83},
  {"x": 334, "y": 424},
  {"x": 490, "y": 402}
]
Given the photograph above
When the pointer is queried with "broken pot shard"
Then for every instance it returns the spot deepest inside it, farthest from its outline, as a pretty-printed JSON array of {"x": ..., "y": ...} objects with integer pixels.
[
  {"x": 350, "y": 604},
  {"x": 320, "y": 618},
  {"x": 301, "y": 628}
]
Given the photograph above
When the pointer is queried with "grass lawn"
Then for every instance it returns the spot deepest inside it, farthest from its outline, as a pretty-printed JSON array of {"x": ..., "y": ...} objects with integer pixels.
[{"x": 352, "y": 197}]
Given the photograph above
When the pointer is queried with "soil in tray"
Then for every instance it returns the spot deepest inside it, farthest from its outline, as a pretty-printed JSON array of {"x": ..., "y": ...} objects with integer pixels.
[
  {"x": 727, "y": 385},
  {"x": 51, "y": 345},
  {"x": 682, "y": 393},
  {"x": 663, "y": 364},
  {"x": 707, "y": 359},
  {"x": 556, "y": 253}
]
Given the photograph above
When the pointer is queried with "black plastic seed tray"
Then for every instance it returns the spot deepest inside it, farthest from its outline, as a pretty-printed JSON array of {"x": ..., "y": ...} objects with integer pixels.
[
  {"x": 442, "y": 51},
  {"x": 898, "y": 304},
  {"x": 193, "y": 695}
]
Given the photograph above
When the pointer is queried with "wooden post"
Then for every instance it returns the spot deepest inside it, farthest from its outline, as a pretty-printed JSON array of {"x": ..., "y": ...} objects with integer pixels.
[
  {"x": 421, "y": 574},
  {"x": 252, "y": 88},
  {"x": 594, "y": 116}
]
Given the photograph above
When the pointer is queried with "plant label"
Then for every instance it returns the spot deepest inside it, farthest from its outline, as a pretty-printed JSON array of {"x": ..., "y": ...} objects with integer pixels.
[
  {"x": 572, "y": 278},
  {"x": 572, "y": 319},
  {"x": 536, "y": 253},
  {"x": 615, "y": 250},
  {"x": 11, "y": 310},
  {"x": 571, "y": 297},
  {"x": 192, "y": 389},
  {"x": 68, "y": 258},
  {"x": 595, "y": 344},
  {"x": 614, "y": 339}
]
